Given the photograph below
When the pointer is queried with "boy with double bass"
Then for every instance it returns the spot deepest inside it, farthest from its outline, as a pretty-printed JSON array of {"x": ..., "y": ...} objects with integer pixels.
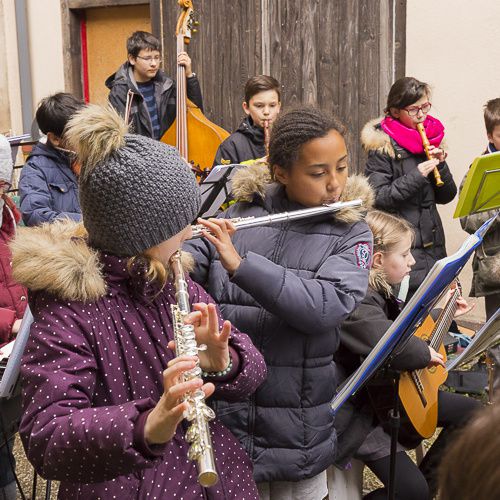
[{"x": 153, "y": 93}]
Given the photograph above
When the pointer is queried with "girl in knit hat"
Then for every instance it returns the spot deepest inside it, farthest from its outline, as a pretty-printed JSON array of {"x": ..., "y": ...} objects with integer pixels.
[
  {"x": 12, "y": 298},
  {"x": 101, "y": 384}
]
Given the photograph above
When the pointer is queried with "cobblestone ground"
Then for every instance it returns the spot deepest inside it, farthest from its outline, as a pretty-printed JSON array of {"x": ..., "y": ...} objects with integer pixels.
[{"x": 25, "y": 475}]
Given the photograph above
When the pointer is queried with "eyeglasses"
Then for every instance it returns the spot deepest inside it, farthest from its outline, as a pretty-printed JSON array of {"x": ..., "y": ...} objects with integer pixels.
[
  {"x": 413, "y": 110},
  {"x": 149, "y": 59}
]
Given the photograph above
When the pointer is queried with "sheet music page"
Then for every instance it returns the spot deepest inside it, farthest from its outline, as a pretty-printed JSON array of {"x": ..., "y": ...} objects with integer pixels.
[{"x": 6, "y": 350}]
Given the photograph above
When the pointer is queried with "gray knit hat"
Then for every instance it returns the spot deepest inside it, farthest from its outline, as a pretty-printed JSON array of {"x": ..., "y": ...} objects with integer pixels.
[
  {"x": 134, "y": 192},
  {"x": 6, "y": 164}
]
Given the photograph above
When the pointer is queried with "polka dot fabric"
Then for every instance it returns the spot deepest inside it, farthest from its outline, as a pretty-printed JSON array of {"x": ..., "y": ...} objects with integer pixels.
[{"x": 91, "y": 371}]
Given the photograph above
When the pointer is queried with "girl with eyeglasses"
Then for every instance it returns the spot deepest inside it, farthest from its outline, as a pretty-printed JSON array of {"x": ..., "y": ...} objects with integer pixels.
[{"x": 401, "y": 175}]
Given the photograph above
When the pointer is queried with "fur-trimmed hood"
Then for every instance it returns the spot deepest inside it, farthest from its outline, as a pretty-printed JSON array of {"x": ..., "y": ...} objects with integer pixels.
[
  {"x": 255, "y": 179},
  {"x": 373, "y": 138},
  {"x": 56, "y": 258}
]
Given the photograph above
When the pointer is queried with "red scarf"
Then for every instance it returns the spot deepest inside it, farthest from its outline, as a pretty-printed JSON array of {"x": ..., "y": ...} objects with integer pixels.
[{"x": 409, "y": 138}]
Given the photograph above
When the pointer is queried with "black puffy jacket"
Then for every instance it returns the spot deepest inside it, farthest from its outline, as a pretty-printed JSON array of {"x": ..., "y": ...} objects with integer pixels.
[
  {"x": 247, "y": 143},
  {"x": 402, "y": 190}
]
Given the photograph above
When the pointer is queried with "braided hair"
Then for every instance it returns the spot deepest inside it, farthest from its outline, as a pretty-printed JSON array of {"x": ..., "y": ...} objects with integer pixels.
[{"x": 294, "y": 129}]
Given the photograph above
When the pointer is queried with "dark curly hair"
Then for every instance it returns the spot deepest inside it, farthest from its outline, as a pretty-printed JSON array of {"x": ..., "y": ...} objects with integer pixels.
[{"x": 296, "y": 127}]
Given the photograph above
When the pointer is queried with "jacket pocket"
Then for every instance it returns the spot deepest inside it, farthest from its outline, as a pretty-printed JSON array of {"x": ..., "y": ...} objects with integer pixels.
[{"x": 60, "y": 187}]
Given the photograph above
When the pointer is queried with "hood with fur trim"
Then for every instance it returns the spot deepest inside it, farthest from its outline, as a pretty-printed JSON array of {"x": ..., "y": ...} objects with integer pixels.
[
  {"x": 373, "y": 138},
  {"x": 56, "y": 258},
  {"x": 254, "y": 180}
]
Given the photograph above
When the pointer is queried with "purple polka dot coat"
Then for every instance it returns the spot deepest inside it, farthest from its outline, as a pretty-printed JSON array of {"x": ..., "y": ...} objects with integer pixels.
[{"x": 93, "y": 368}]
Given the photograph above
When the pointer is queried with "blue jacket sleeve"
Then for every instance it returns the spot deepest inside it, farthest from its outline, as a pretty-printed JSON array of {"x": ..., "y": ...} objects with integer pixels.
[
  {"x": 35, "y": 198},
  {"x": 315, "y": 305}
]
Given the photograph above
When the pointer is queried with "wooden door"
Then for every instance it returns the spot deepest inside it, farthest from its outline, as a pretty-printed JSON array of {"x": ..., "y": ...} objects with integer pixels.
[{"x": 104, "y": 32}]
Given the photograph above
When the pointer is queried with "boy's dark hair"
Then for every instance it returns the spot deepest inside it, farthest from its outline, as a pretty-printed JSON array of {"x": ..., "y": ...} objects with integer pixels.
[
  {"x": 296, "y": 127},
  {"x": 261, "y": 83},
  {"x": 142, "y": 40},
  {"x": 405, "y": 92},
  {"x": 492, "y": 114},
  {"x": 54, "y": 112}
]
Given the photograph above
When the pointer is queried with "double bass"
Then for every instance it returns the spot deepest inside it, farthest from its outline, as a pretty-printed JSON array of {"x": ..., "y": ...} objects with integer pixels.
[{"x": 196, "y": 137}]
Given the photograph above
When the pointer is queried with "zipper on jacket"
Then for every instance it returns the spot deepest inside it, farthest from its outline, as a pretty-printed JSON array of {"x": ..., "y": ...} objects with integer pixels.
[{"x": 260, "y": 326}]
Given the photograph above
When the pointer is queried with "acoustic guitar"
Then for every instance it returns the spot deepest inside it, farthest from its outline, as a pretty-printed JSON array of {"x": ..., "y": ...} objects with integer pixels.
[{"x": 418, "y": 390}]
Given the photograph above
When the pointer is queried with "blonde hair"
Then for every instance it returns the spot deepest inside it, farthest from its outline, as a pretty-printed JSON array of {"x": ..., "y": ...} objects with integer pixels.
[
  {"x": 156, "y": 270},
  {"x": 388, "y": 230}
]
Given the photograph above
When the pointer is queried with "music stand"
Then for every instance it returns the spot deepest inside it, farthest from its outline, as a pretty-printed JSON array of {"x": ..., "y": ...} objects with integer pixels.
[
  {"x": 403, "y": 328},
  {"x": 480, "y": 191},
  {"x": 216, "y": 188}
]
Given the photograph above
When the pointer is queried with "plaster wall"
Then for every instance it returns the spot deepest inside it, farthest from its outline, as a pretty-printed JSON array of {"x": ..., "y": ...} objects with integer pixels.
[{"x": 453, "y": 46}]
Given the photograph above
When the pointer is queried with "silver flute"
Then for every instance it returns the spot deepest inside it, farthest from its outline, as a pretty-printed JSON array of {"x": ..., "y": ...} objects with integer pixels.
[
  {"x": 198, "y": 413},
  {"x": 245, "y": 222}
]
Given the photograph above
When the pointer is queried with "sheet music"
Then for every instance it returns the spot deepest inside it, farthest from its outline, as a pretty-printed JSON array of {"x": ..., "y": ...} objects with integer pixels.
[
  {"x": 486, "y": 337},
  {"x": 440, "y": 276},
  {"x": 6, "y": 350},
  {"x": 12, "y": 364},
  {"x": 216, "y": 188}
]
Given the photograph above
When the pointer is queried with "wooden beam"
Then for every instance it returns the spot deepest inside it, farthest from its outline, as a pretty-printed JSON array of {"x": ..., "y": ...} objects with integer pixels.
[
  {"x": 72, "y": 50},
  {"x": 400, "y": 39},
  {"x": 88, "y": 4}
]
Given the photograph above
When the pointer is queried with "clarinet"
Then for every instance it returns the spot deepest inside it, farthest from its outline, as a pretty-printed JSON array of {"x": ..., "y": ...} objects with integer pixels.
[{"x": 198, "y": 413}]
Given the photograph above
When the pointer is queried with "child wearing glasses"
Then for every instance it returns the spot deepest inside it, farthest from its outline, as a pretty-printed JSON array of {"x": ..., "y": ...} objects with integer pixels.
[
  {"x": 401, "y": 174},
  {"x": 153, "y": 107}
]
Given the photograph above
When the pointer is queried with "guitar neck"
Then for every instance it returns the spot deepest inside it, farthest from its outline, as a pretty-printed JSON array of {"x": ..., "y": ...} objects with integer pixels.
[
  {"x": 444, "y": 321},
  {"x": 181, "y": 98}
]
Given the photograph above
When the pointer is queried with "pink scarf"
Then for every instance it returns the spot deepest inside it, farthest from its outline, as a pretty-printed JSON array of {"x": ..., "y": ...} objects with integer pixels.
[{"x": 409, "y": 138}]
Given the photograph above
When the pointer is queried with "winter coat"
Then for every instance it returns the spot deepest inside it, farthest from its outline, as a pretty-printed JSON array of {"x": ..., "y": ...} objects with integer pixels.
[
  {"x": 486, "y": 262},
  {"x": 93, "y": 369},
  {"x": 12, "y": 295},
  {"x": 48, "y": 187},
  {"x": 247, "y": 143},
  {"x": 359, "y": 334},
  {"x": 165, "y": 92},
  {"x": 402, "y": 190},
  {"x": 296, "y": 283}
]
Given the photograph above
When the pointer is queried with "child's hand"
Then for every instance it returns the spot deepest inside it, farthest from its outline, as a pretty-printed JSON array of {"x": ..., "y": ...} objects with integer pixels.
[
  {"x": 436, "y": 359},
  {"x": 220, "y": 234},
  {"x": 184, "y": 60},
  {"x": 206, "y": 326},
  {"x": 164, "y": 418},
  {"x": 426, "y": 167},
  {"x": 463, "y": 307},
  {"x": 16, "y": 326},
  {"x": 437, "y": 153}
]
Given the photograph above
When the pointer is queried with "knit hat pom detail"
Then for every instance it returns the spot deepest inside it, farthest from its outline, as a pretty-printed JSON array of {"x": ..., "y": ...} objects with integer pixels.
[{"x": 95, "y": 133}]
